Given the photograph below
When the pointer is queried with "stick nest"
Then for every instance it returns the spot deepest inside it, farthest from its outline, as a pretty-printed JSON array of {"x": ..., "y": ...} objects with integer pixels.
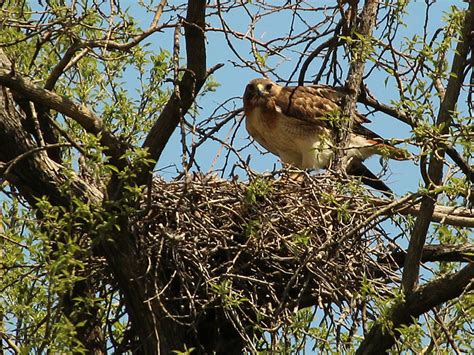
[{"x": 258, "y": 250}]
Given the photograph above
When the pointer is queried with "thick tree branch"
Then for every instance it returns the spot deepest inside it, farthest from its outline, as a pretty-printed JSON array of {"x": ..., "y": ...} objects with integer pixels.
[
  {"x": 58, "y": 69},
  {"x": 440, "y": 253},
  {"x": 36, "y": 175},
  {"x": 441, "y": 290},
  {"x": 359, "y": 51},
  {"x": 45, "y": 99},
  {"x": 435, "y": 170},
  {"x": 80, "y": 113},
  {"x": 451, "y": 215},
  {"x": 156, "y": 331},
  {"x": 467, "y": 169},
  {"x": 418, "y": 302},
  {"x": 455, "y": 216},
  {"x": 189, "y": 86}
]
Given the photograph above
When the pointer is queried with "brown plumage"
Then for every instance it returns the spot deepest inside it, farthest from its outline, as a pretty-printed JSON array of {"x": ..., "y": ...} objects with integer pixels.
[{"x": 295, "y": 123}]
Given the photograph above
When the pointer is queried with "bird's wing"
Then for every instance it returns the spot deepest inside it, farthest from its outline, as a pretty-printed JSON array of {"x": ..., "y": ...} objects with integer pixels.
[
  {"x": 367, "y": 133},
  {"x": 313, "y": 104}
]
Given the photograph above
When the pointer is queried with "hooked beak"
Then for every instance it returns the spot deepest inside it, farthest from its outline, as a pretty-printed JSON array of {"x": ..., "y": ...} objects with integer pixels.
[{"x": 260, "y": 90}]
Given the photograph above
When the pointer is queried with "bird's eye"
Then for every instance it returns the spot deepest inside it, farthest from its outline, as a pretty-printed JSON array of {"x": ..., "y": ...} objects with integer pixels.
[{"x": 268, "y": 87}]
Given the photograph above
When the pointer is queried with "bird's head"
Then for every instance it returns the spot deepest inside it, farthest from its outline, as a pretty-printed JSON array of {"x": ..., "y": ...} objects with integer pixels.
[{"x": 258, "y": 91}]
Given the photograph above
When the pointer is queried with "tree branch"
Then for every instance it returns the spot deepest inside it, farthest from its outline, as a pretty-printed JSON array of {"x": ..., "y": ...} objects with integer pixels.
[
  {"x": 156, "y": 331},
  {"x": 80, "y": 113},
  {"x": 444, "y": 289},
  {"x": 359, "y": 51},
  {"x": 61, "y": 66},
  {"x": 189, "y": 86},
  {"x": 467, "y": 169},
  {"x": 367, "y": 99},
  {"x": 435, "y": 170},
  {"x": 452, "y": 215},
  {"x": 35, "y": 176},
  {"x": 421, "y": 301},
  {"x": 445, "y": 253},
  {"x": 112, "y": 45},
  {"x": 331, "y": 42}
]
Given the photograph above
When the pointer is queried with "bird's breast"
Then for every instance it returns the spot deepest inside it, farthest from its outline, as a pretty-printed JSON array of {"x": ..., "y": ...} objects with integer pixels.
[
  {"x": 262, "y": 126},
  {"x": 282, "y": 135}
]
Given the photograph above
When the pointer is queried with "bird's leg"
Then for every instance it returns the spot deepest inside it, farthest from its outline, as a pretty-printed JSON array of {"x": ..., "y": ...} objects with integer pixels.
[{"x": 294, "y": 174}]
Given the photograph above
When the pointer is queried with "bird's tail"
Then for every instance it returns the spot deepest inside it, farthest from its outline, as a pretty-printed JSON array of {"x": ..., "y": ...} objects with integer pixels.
[{"x": 368, "y": 178}]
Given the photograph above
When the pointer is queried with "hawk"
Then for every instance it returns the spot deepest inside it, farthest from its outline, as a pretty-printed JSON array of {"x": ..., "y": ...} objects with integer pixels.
[{"x": 296, "y": 124}]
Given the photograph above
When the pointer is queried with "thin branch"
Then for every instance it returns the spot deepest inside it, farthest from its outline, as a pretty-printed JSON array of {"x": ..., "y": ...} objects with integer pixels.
[
  {"x": 367, "y": 99},
  {"x": 11, "y": 344},
  {"x": 331, "y": 42},
  {"x": 68, "y": 57},
  {"x": 5, "y": 168},
  {"x": 386, "y": 210},
  {"x": 111, "y": 45}
]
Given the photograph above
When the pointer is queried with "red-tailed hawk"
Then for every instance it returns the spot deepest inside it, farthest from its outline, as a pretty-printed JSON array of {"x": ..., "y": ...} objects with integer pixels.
[{"x": 295, "y": 123}]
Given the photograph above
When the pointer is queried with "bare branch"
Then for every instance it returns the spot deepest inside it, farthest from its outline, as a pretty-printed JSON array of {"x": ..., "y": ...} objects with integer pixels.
[
  {"x": 367, "y": 99},
  {"x": 331, "y": 42},
  {"x": 451, "y": 215},
  {"x": 446, "y": 253},
  {"x": 356, "y": 71},
  {"x": 189, "y": 86},
  {"x": 463, "y": 164}
]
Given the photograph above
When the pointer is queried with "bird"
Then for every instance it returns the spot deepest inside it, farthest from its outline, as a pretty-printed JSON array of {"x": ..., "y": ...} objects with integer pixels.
[{"x": 297, "y": 124}]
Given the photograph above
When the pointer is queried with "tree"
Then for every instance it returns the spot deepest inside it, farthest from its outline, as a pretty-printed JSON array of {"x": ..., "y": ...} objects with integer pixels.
[{"x": 101, "y": 254}]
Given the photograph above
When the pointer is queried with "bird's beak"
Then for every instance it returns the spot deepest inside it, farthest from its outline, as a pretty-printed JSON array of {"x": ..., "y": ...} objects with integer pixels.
[{"x": 260, "y": 90}]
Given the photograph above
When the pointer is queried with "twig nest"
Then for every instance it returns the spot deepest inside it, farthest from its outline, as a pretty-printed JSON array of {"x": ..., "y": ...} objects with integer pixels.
[{"x": 259, "y": 247}]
